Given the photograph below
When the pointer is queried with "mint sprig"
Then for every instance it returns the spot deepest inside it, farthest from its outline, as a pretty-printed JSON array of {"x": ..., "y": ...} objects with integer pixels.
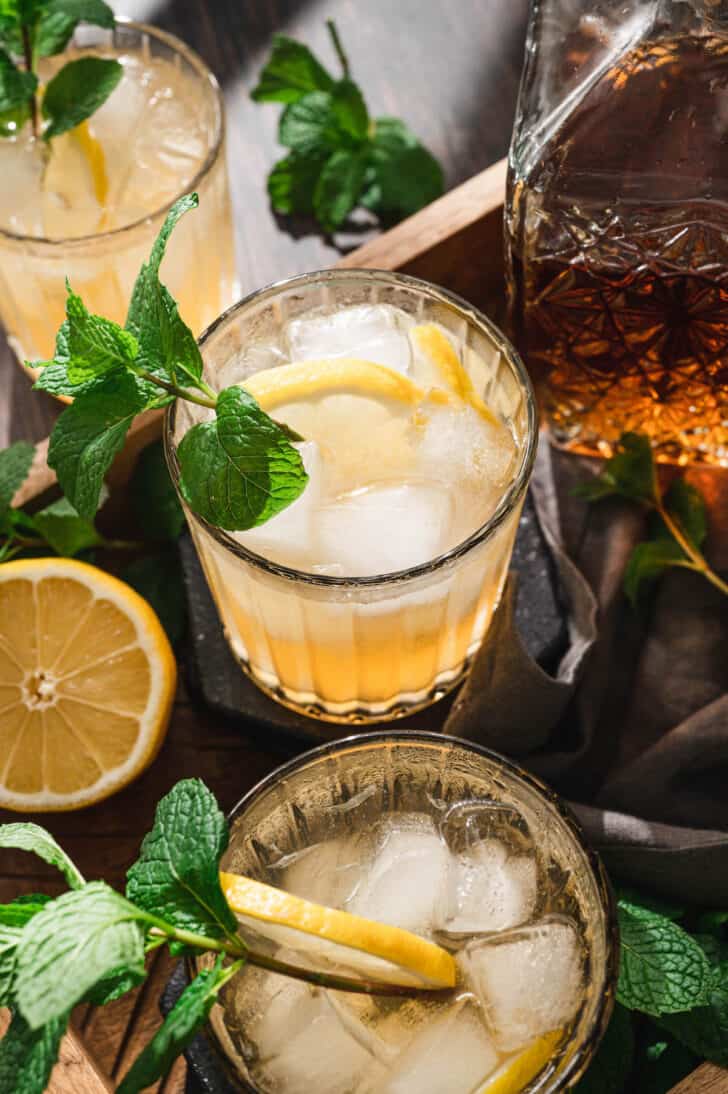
[
  {"x": 89, "y": 944},
  {"x": 236, "y": 470},
  {"x": 339, "y": 156},
  {"x": 32, "y": 29},
  {"x": 678, "y": 522}
]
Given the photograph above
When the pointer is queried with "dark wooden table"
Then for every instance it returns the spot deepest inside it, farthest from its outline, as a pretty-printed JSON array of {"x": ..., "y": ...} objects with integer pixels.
[{"x": 451, "y": 70}]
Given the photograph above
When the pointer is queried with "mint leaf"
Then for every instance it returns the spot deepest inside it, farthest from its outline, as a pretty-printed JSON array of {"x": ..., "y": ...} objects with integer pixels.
[
  {"x": 16, "y": 86},
  {"x": 15, "y": 463},
  {"x": 176, "y": 874},
  {"x": 630, "y": 473},
  {"x": 611, "y": 1067},
  {"x": 93, "y": 345},
  {"x": 339, "y": 186},
  {"x": 310, "y": 124},
  {"x": 686, "y": 505},
  {"x": 240, "y": 469},
  {"x": 167, "y": 347},
  {"x": 115, "y": 985},
  {"x": 77, "y": 91},
  {"x": 31, "y": 837},
  {"x": 154, "y": 497},
  {"x": 22, "y": 909},
  {"x": 64, "y": 530},
  {"x": 90, "y": 432},
  {"x": 403, "y": 176},
  {"x": 647, "y": 562},
  {"x": 292, "y": 182},
  {"x": 350, "y": 111},
  {"x": 9, "y": 939},
  {"x": 158, "y": 578},
  {"x": 291, "y": 72},
  {"x": 704, "y": 1030},
  {"x": 73, "y": 943},
  {"x": 651, "y": 903},
  {"x": 188, "y": 1015},
  {"x": 663, "y": 970},
  {"x": 59, "y": 19},
  {"x": 11, "y": 121},
  {"x": 27, "y": 1056}
]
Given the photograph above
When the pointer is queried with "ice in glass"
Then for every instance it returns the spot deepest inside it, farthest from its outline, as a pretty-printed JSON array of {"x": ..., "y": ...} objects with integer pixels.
[
  {"x": 91, "y": 210},
  {"x": 446, "y": 840},
  {"x": 366, "y": 597}
]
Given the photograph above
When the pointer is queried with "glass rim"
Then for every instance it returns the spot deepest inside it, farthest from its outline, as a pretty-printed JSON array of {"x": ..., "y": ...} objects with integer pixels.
[
  {"x": 584, "y": 1048},
  {"x": 213, "y": 153},
  {"x": 511, "y": 497}
]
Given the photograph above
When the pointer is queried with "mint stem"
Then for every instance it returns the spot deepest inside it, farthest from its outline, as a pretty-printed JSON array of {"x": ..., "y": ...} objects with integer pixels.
[
  {"x": 28, "y": 57},
  {"x": 697, "y": 559},
  {"x": 343, "y": 59},
  {"x": 179, "y": 392}
]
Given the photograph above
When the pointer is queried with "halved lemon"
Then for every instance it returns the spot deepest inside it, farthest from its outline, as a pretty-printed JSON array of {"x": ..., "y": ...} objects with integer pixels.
[
  {"x": 351, "y": 375},
  {"x": 87, "y": 680},
  {"x": 513, "y": 1076},
  {"x": 372, "y": 951},
  {"x": 439, "y": 349}
]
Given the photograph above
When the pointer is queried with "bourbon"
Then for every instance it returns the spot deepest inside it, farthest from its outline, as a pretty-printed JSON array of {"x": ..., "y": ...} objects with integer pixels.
[{"x": 618, "y": 256}]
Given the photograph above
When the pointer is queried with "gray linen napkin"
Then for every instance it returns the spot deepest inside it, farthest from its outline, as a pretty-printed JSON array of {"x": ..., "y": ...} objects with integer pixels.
[{"x": 635, "y": 720}]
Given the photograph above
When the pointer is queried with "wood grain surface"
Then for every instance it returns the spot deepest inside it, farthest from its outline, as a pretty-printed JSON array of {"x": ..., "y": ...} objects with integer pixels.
[{"x": 452, "y": 71}]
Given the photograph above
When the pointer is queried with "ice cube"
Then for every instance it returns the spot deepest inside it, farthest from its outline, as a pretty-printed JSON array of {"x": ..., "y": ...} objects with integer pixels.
[
  {"x": 403, "y": 883},
  {"x": 326, "y": 873},
  {"x": 384, "y": 528},
  {"x": 451, "y": 1055},
  {"x": 372, "y": 332},
  {"x": 287, "y": 537},
  {"x": 304, "y": 1045},
  {"x": 529, "y": 983},
  {"x": 489, "y": 890},
  {"x": 457, "y": 442}
]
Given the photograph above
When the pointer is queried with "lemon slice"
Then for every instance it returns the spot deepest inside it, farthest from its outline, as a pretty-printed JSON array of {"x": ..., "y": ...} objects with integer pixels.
[
  {"x": 518, "y": 1072},
  {"x": 431, "y": 341},
  {"x": 373, "y": 951},
  {"x": 351, "y": 375},
  {"x": 94, "y": 153},
  {"x": 87, "y": 679}
]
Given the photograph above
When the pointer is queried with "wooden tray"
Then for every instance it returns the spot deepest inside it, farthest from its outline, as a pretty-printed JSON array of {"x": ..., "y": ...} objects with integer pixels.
[{"x": 456, "y": 242}]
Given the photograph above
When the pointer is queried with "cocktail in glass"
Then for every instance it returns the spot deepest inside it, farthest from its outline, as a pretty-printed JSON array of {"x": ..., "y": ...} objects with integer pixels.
[
  {"x": 367, "y": 597},
  {"x": 90, "y": 209},
  {"x": 448, "y": 840}
]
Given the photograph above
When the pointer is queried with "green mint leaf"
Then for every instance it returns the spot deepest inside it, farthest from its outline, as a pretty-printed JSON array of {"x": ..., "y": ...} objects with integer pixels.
[
  {"x": 291, "y": 72},
  {"x": 704, "y": 1030},
  {"x": 686, "y": 505},
  {"x": 54, "y": 376},
  {"x": 16, "y": 86},
  {"x": 339, "y": 186},
  {"x": 9, "y": 940},
  {"x": 59, "y": 19},
  {"x": 403, "y": 176},
  {"x": 630, "y": 473},
  {"x": 93, "y": 345},
  {"x": 65, "y": 531},
  {"x": 27, "y": 1056},
  {"x": 311, "y": 125},
  {"x": 90, "y": 432},
  {"x": 115, "y": 985},
  {"x": 176, "y": 874},
  {"x": 350, "y": 111},
  {"x": 188, "y": 1015},
  {"x": 12, "y": 121},
  {"x": 240, "y": 469},
  {"x": 15, "y": 463},
  {"x": 647, "y": 562},
  {"x": 629, "y": 896},
  {"x": 166, "y": 345},
  {"x": 611, "y": 1067},
  {"x": 292, "y": 182},
  {"x": 663, "y": 969},
  {"x": 154, "y": 497},
  {"x": 25, "y": 836},
  {"x": 158, "y": 578},
  {"x": 77, "y": 941},
  {"x": 77, "y": 91},
  {"x": 22, "y": 909}
]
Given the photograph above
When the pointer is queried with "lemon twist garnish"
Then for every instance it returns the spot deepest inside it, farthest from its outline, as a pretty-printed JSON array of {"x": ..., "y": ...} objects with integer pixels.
[
  {"x": 439, "y": 349},
  {"x": 519, "y": 1071}
]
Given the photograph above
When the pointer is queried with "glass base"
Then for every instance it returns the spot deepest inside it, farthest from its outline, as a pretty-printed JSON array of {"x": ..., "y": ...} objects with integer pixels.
[{"x": 353, "y": 713}]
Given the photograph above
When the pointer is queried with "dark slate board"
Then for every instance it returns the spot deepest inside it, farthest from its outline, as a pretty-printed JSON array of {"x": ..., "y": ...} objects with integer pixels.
[{"x": 217, "y": 678}]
